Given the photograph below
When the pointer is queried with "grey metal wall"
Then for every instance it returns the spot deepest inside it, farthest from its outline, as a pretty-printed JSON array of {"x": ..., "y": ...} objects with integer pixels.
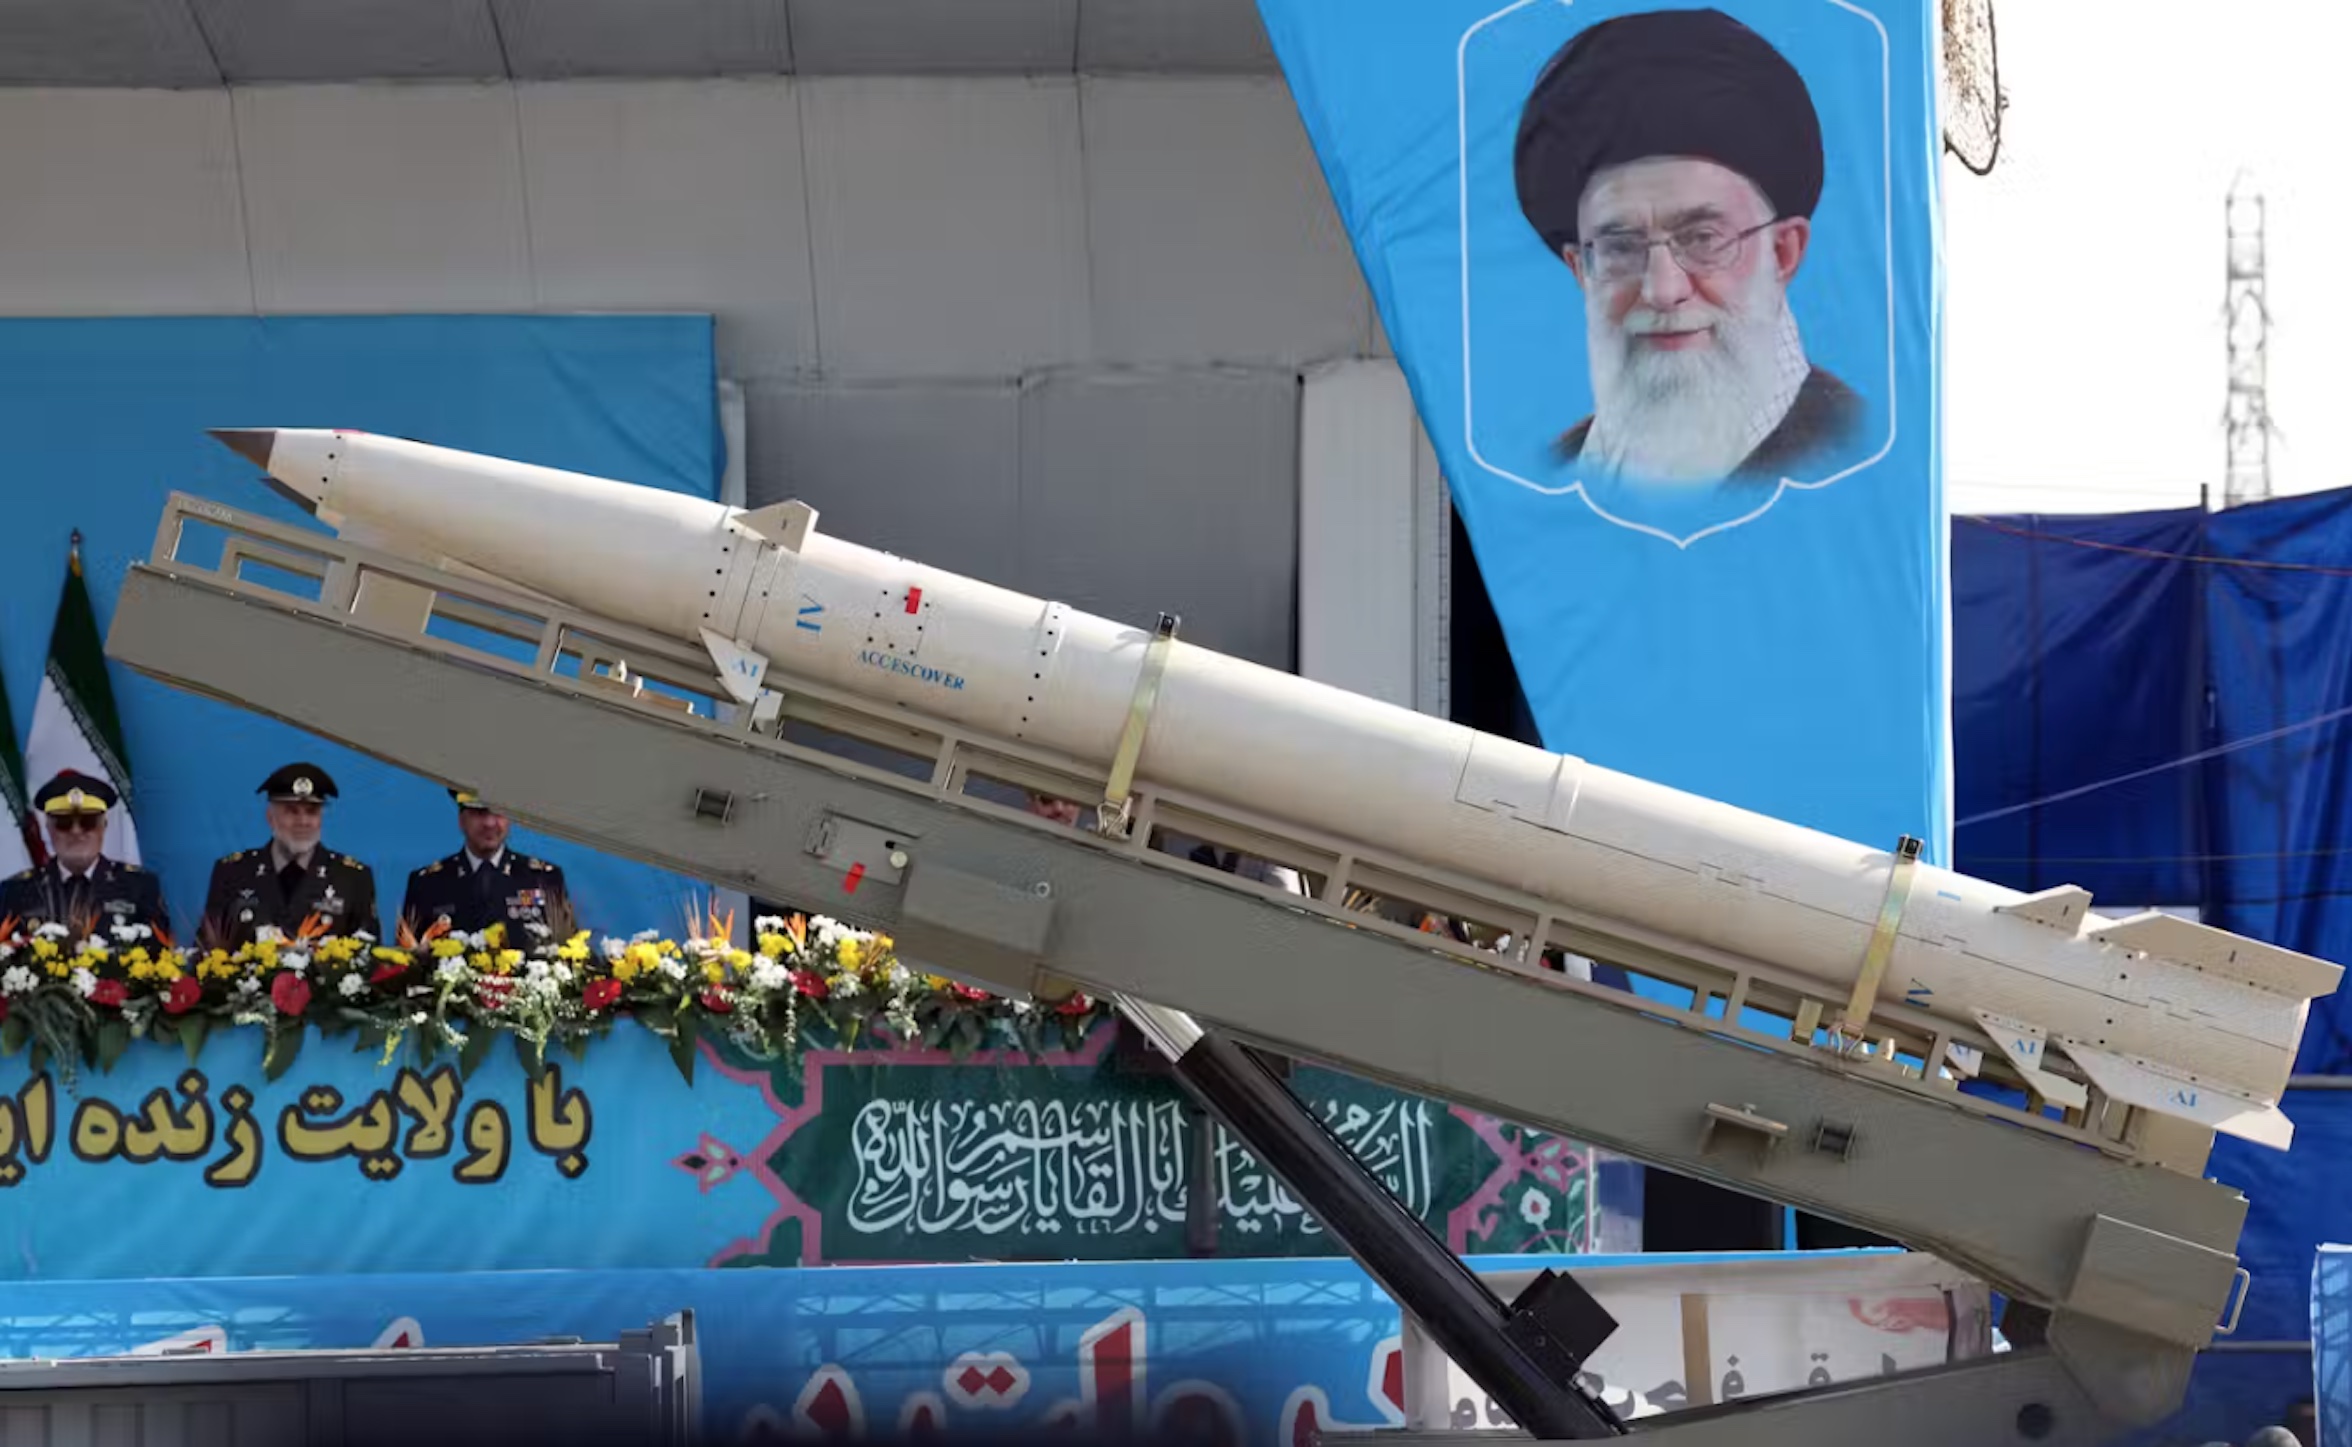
[{"x": 1046, "y": 329}]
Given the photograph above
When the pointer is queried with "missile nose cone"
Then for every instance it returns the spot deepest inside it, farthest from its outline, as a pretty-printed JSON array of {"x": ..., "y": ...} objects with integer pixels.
[{"x": 251, "y": 443}]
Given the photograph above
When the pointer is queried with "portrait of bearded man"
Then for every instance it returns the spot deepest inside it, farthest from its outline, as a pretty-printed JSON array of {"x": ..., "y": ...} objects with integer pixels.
[{"x": 1672, "y": 160}]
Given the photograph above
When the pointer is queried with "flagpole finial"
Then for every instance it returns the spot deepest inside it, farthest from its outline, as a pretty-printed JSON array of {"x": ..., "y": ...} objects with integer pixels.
[{"x": 73, "y": 553}]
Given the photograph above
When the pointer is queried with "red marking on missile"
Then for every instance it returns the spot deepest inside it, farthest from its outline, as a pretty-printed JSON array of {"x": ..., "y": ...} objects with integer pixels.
[
  {"x": 857, "y": 876},
  {"x": 914, "y": 599}
]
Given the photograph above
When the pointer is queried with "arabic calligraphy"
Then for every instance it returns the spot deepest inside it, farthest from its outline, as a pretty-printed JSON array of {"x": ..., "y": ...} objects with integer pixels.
[
  {"x": 932, "y": 1167},
  {"x": 187, "y": 1123}
]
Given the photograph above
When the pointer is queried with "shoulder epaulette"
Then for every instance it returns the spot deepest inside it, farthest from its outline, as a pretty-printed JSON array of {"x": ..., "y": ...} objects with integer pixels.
[
  {"x": 432, "y": 868},
  {"x": 233, "y": 858},
  {"x": 126, "y": 866},
  {"x": 27, "y": 874},
  {"x": 347, "y": 859}
]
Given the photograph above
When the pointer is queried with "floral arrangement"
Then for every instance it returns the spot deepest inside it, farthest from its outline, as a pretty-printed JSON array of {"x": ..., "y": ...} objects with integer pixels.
[{"x": 804, "y": 981}]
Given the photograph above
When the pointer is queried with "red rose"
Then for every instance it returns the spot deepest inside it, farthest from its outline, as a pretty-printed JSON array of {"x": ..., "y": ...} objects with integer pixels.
[
  {"x": 290, "y": 993},
  {"x": 1077, "y": 1004},
  {"x": 717, "y": 1003},
  {"x": 600, "y": 993},
  {"x": 494, "y": 991},
  {"x": 110, "y": 993},
  {"x": 183, "y": 995},
  {"x": 386, "y": 974},
  {"x": 966, "y": 992},
  {"x": 811, "y": 984}
]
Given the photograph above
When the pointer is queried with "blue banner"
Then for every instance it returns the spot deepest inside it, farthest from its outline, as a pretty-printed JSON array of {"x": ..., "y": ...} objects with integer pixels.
[
  {"x": 1664, "y": 284},
  {"x": 348, "y": 1161},
  {"x": 1216, "y": 1352},
  {"x": 106, "y": 418}
]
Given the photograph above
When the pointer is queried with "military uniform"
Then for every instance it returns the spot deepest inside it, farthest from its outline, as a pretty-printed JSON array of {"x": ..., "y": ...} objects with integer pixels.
[
  {"x": 251, "y": 889},
  {"x": 109, "y": 893},
  {"x": 516, "y": 891}
]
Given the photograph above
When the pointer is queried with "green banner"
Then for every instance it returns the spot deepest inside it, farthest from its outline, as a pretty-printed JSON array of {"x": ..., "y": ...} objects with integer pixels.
[{"x": 913, "y": 1155}]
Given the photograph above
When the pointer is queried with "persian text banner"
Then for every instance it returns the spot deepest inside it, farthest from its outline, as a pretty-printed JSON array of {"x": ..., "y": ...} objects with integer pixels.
[
  {"x": 1664, "y": 284},
  {"x": 347, "y": 1164}
]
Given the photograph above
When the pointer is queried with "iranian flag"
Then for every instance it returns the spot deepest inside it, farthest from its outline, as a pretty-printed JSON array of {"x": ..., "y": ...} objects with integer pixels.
[
  {"x": 21, "y": 844},
  {"x": 74, "y": 722}
]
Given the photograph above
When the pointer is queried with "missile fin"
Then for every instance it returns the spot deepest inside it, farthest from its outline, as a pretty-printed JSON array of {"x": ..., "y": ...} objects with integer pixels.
[
  {"x": 2219, "y": 952},
  {"x": 2061, "y": 908},
  {"x": 786, "y": 524},
  {"x": 2021, "y": 1043},
  {"x": 2150, "y": 1088},
  {"x": 741, "y": 670}
]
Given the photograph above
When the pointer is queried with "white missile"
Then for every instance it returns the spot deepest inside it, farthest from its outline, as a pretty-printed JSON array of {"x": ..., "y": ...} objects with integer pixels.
[{"x": 2153, "y": 1011}]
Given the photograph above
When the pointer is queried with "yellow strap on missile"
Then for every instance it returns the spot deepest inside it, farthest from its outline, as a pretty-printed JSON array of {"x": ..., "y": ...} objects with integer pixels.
[
  {"x": 1882, "y": 941},
  {"x": 1111, "y": 816}
]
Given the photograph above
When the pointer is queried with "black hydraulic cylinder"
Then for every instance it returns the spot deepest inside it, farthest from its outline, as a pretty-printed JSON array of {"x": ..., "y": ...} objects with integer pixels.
[{"x": 1525, "y": 1357}]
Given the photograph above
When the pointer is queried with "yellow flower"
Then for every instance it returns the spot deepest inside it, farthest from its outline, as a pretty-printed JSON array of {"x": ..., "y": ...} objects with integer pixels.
[
  {"x": 45, "y": 949},
  {"x": 142, "y": 969},
  {"x": 167, "y": 970},
  {"x": 60, "y": 968},
  {"x": 509, "y": 961},
  {"x": 95, "y": 952},
  {"x": 448, "y": 948},
  {"x": 645, "y": 955},
  {"x": 389, "y": 955},
  {"x": 935, "y": 982},
  {"x": 774, "y": 946},
  {"x": 494, "y": 936},
  {"x": 849, "y": 952},
  {"x": 624, "y": 969},
  {"x": 714, "y": 972},
  {"x": 740, "y": 960}
]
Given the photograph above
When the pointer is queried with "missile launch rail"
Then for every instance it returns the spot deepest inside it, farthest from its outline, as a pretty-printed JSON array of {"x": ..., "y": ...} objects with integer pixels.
[{"x": 629, "y": 742}]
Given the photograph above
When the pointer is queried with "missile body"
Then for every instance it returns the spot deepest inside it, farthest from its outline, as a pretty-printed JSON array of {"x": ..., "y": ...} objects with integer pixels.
[{"x": 2157, "y": 1012}]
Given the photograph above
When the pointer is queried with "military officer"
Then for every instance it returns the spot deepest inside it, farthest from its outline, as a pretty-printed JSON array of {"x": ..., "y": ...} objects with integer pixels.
[
  {"x": 486, "y": 883},
  {"x": 80, "y": 887},
  {"x": 293, "y": 877}
]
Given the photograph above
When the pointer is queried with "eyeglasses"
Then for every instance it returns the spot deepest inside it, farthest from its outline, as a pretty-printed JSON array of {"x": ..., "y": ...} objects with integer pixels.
[
  {"x": 75, "y": 823},
  {"x": 1701, "y": 249}
]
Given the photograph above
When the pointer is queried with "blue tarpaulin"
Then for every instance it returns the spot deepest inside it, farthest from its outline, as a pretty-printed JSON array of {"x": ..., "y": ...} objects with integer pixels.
[{"x": 2158, "y": 707}]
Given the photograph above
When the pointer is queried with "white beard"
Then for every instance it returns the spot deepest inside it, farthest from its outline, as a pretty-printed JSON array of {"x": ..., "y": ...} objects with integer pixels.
[{"x": 1691, "y": 416}]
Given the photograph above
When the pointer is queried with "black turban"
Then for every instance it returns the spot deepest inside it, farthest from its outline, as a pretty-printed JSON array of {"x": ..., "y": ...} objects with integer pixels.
[{"x": 1665, "y": 83}]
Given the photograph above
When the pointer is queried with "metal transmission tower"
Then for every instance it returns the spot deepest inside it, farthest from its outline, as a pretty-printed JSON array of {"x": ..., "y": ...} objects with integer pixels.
[{"x": 2246, "y": 477}]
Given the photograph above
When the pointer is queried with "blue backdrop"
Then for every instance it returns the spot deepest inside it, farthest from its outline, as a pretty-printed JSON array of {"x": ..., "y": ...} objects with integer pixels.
[
  {"x": 1777, "y": 643},
  {"x": 105, "y": 418}
]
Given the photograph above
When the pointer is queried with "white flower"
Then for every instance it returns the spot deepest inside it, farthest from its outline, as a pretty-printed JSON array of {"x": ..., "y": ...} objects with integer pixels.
[
  {"x": 7, "y": 952},
  {"x": 295, "y": 960},
  {"x": 768, "y": 924},
  {"x": 563, "y": 974},
  {"x": 896, "y": 975},
  {"x": 85, "y": 984},
  {"x": 673, "y": 967},
  {"x": 352, "y": 986},
  {"x": 363, "y": 936},
  {"x": 847, "y": 984},
  {"x": 1535, "y": 1208},
  {"x": 766, "y": 974},
  {"x": 535, "y": 970},
  {"x": 615, "y": 948},
  {"x": 268, "y": 934},
  {"x": 452, "y": 968},
  {"x": 128, "y": 932},
  {"x": 539, "y": 929},
  {"x": 18, "y": 980},
  {"x": 52, "y": 932},
  {"x": 644, "y": 935},
  {"x": 249, "y": 986},
  {"x": 1024, "y": 1009}
]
